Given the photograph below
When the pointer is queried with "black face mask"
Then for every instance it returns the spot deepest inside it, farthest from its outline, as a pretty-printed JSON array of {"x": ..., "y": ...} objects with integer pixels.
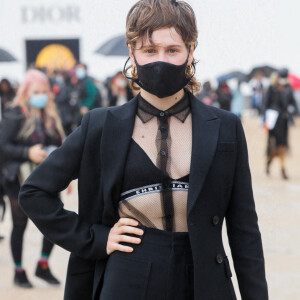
[{"x": 160, "y": 78}]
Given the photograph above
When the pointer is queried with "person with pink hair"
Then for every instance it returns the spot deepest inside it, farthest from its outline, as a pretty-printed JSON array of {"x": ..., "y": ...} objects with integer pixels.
[{"x": 30, "y": 129}]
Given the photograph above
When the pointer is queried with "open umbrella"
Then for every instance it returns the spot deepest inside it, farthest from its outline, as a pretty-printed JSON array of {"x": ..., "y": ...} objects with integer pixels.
[
  {"x": 240, "y": 76},
  {"x": 265, "y": 70},
  {"x": 294, "y": 81},
  {"x": 5, "y": 56},
  {"x": 114, "y": 47}
]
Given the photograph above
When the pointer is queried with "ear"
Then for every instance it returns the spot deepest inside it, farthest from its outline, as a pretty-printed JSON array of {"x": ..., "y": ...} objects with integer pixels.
[
  {"x": 131, "y": 55},
  {"x": 191, "y": 56}
]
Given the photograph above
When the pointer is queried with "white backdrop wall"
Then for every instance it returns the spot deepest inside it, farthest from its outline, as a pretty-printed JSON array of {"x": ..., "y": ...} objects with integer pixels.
[{"x": 233, "y": 34}]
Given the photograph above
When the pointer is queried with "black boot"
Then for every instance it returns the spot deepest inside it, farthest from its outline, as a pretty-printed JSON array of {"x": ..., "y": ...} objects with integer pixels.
[
  {"x": 284, "y": 176},
  {"x": 43, "y": 272},
  {"x": 268, "y": 167},
  {"x": 21, "y": 280}
]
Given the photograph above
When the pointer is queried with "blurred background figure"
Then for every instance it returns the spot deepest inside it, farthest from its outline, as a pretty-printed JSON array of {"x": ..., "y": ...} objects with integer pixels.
[
  {"x": 67, "y": 101},
  {"x": 89, "y": 96},
  {"x": 7, "y": 93},
  {"x": 224, "y": 95},
  {"x": 280, "y": 101},
  {"x": 258, "y": 91},
  {"x": 2, "y": 203},
  {"x": 207, "y": 95},
  {"x": 30, "y": 130},
  {"x": 237, "y": 102},
  {"x": 119, "y": 91}
]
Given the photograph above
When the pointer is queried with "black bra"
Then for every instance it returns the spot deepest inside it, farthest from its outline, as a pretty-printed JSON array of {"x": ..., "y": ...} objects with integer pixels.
[{"x": 141, "y": 176}]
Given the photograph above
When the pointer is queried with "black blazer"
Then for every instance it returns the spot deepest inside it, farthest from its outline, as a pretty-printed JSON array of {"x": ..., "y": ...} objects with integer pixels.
[
  {"x": 220, "y": 187},
  {"x": 12, "y": 151}
]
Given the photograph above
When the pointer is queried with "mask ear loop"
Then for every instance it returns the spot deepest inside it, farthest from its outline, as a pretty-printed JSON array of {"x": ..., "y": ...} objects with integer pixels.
[{"x": 125, "y": 70}]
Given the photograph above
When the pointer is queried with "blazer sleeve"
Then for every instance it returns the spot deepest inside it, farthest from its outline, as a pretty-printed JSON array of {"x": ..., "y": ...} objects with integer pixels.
[
  {"x": 242, "y": 228},
  {"x": 9, "y": 130},
  {"x": 39, "y": 198}
]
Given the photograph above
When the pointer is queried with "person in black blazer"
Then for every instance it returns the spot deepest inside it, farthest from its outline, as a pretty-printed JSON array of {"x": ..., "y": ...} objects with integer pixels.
[{"x": 164, "y": 144}]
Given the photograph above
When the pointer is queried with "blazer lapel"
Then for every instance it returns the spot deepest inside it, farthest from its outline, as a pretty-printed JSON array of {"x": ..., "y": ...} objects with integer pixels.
[
  {"x": 115, "y": 141},
  {"x": 205, "y": 132},
  {"x": 116, "y": 136}
]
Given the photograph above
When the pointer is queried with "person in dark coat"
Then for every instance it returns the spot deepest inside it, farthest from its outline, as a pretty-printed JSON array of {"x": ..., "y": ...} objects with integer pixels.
[
  {"x": 224, "y": 95},
  {"x": 67, "y": 102},
  {"x": 89, "y": 96},
  {"x": 119, "y": 91},
  {"x": 30, "y": 128},
  {"x": 207, "y": 95},
  {"x": 2, "y": 203},
  {"x": 157, "y": 177},
  {"x": 7, "y": 94},
  {"x": 280, "y": 98}
]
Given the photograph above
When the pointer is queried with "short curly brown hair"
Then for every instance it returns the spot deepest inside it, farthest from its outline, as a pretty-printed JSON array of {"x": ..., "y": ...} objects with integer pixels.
[{"x": 147, "y": 16}]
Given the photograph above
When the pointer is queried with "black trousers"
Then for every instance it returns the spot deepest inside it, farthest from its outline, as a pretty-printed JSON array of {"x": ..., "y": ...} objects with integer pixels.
[
  {"x": 20, "y": 220},
  {"x": 159, "y": 268}
]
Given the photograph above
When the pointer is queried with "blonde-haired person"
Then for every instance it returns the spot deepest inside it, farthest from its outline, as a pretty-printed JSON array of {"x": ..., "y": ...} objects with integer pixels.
[
  {"x": 157, "y": 176},
  {"x": 30, "y": 128}
]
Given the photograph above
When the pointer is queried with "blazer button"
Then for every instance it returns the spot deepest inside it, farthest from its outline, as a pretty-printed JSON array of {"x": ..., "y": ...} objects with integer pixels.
[
  {"x": 216, "y": 220},
  {"x": 163, "y": 152},
  {"x": 219, "y": 258}
]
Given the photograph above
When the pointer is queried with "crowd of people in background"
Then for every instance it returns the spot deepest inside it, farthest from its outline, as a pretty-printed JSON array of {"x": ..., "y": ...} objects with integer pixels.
[
  {"x": 76, "y": 92},
  {"x": 38, "y": 114}
]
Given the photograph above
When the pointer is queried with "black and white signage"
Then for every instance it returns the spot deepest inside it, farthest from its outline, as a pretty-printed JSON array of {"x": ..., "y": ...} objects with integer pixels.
[{"x": 50, "y": 14}]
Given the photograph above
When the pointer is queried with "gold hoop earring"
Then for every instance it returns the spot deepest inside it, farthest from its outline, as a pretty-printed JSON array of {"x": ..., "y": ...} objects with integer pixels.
[
  {"x": 190, "y": 70},
  {"x": 134, "y": 73}
]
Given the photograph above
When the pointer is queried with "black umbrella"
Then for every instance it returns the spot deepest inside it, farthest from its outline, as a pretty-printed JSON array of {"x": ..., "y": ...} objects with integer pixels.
[
  {"x": 114, "y": 47},
  {"x": 5, "y": 56},
  {"x": 265, "y": 70},
  {"x": 240, "y": 76}
]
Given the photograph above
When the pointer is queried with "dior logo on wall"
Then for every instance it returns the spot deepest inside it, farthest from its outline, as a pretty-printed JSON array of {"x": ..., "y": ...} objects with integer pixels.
[{"x": 51, "y": 14}]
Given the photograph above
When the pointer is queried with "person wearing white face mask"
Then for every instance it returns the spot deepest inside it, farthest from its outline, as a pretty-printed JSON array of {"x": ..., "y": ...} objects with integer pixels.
[
  {"x": 30, "y": 129},
  {"x": 86, "y": 87},
  {"x": 157, "y": 177},
  {"x": 119, "y": 90}
]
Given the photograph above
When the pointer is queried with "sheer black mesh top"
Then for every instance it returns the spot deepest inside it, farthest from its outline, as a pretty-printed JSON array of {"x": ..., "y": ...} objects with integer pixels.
[{"x": 156, "y": 177}]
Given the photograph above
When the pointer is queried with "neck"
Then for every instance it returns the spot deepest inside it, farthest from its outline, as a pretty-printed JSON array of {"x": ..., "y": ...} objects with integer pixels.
[
  {"x": 37, "y": 112},
  {"x": 162, "y": 103}
]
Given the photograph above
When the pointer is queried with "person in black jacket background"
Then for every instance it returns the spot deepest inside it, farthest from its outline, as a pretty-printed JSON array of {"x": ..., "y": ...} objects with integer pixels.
[
  {"x": 67, "y": 102},
  {"x": 119, "y": 91},
  {"x": 224, "y": 95},
  {"x": 280, "y": 98},
  {"x": 7, "y": 94},
  {"x": 29, "y": 130}
]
